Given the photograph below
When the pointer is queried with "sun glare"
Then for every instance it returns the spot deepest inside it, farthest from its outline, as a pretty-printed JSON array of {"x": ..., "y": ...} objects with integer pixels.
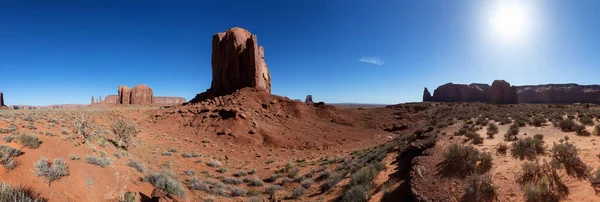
[{"x": 510, "y": 21}]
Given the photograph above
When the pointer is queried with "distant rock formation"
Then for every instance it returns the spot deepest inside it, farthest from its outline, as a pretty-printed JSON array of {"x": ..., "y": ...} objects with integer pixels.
[
  {"x": 426, "y": 95},
  {"x": 559, "y": 93},
  {"x": 124, "y": 96},
  {"x": 309, "y": 99},
  {"x": 502, "y": 93},
  {"x": 93, "y": 100},
  {"x": 1, "y": 99},
  {"x": 460, "y": 93},
  {"x": 141, "y": 95},
  {"x": 237, "y": 62}
]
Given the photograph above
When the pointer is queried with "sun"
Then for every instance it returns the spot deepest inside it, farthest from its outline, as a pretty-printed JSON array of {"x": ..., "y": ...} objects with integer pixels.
[{"x": 510, "y": 21}]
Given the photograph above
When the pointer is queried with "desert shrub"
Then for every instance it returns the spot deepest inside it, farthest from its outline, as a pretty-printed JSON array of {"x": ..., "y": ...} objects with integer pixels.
[
  {"x": 53, "y": 171},
  {"x": 272, "y": 189},
  {"x": 480, "y": 188},
  {"x": 538, "y": 121},
  {"x": 459, "y": 160},
  {"x": 167, "y": 153},
  {"x": 99, "y": 161},
  {"x": 541, "y": 182},
  {"x": 566, "y": 125},
  {"x": 238, "y": 191},
  {"x": 597, "y": 130},
  {"x": 331, "y": 182},
  {"x": 230, "y": 180},
  {"x": 11, "y": 193},
  {"x": 520, "y": 122},
  {"x": 580, "y": 130},
  {"x": 30, "y": 141},
  {"x": 481, "y": 120},
  {"x": 195, "y": 184},
  {"x": 124, "y": 133},
  {"x": 166, "y": 182},
  {"x": 356, "y": 193},
  {"x": 527, "y": 148},
  {"x": 492, "y": 130},
  {"x": 476, "y": 139},
  {"x": 586, "y": 120},
  {"x": 505, "y": 120},
  {"x": 80, "y": 125},
  {"x": 298, "y": 192},
  {"x": 307, "y": 183},
  {"x": 74, "y": 157},
  {"x": 214, "y": 163},
  {"x": 502, "y": 147},
  {"x": 137, "y": 165},
  {"x": 186, "y": 155},
  {"x": 256, "y": 182},
  {"x": 286, "y": 180},
  {"x": 511, "y": 134},
  {"x": 222, "y": 170},
  {"x": 129, "y": 197},
  {"x": 565, "y": 155},
  {"x": 190, "y": 172},
  {"x": 7, "y": 156},
  {"x": 323, "y": 176},
  {"x": 485, "y": 162},
  {"x": 364, "y": 176},
  {"x": 594, "y": 177},
  {"x": 8, "y": 138}
]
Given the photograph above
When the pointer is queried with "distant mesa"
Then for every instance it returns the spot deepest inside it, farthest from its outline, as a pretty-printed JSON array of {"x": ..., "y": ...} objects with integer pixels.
[
  {"x": 237, "y": 62},
  {"x": 138, "y": 95},
  {"x": 501, "y": 92}
]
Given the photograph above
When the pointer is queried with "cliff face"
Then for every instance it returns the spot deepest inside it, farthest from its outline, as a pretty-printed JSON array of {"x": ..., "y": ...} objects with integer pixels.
[
  {"x": 501, "y": 92},
  {"x": 559, "y": 93}
]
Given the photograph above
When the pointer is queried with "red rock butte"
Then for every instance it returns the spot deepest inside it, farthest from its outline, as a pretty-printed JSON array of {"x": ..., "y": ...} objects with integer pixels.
[
  {"x": 138, "y": 95},
  {"x": 237, "y": 62}
]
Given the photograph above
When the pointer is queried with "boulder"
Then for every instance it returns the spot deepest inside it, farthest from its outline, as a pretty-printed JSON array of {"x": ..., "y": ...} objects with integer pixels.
[
  {"x": 309, "y": 99},
  {"x": 501, "y": 92},
  {"x": 141, "y": 95},
  {"x": 426, "y": 95},
  {"x": 124, "y": 96},
  {"x": 237, "y": 62}
]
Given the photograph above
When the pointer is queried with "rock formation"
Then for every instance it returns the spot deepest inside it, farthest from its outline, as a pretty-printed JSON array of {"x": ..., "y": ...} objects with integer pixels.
[
  {"x": 460, "y": 93},
  {"x": 237, "y": 62},
  {"x": 309, "y": 99},
  {"x": 110, "y": 99},
  {"x": 1, "y": 99},
  {"x": 124, "y": 95},
  {"x": 93, "y": 100},
  {"x": 167, "y": 101},
  {"x": 502, "y": 93},
  {"x": 559, "y": 93},
  {"x": 141, "y": 95},
  {"x": 100, "y": 99},
  {"x": 426, "y": 95}
]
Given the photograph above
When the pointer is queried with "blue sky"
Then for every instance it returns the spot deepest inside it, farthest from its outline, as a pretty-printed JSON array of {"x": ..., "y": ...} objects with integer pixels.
[{"x": 57, "y": 52}]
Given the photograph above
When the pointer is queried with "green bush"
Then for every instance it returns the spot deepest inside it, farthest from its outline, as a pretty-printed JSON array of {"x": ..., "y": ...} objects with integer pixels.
[
  {"x": 331, "y": 182},
  {"x": 485, "y": 162},
  {"x": 459, "y": 161},
  {"x": 165, "y": 181},
  {"x": 566, "y": 125},
  {"x": 364, "y": 176},
  {"x": 538, "y": 121},
  {"x": 298, "y": 192},
  {"x": 597, "y": 130},
  {"x": 502, "y": 148},
  {"x": 541, "y": 182},
  {"x": 124, "y": 133}
]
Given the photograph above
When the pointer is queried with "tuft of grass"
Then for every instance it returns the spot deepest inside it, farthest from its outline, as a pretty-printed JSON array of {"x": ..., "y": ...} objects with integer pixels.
[
  {"x": 502, "y": 148},
  {"x": 256, "y": 182},
  {"x": 74, "y": 157},
  {"x": 214, "y": 163},
  {"x": 231, "y": 180},
  {"x": 190, "y": 172},
  {"x": 7, "y": 156},
  {"x": 53, "y": 171},
  {"x": 165, "y": 181}
]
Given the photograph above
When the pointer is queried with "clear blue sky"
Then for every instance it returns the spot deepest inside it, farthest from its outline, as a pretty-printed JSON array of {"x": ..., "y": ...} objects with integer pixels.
[{"x": 57, "y": 53}]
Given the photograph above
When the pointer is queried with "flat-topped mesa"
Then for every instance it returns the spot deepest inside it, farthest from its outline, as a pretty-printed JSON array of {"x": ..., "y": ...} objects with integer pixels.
[
  {"x": 138, "y": 95},
  {"x": 237, "y": 62},
  {"x": 501, "y": 92}
]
